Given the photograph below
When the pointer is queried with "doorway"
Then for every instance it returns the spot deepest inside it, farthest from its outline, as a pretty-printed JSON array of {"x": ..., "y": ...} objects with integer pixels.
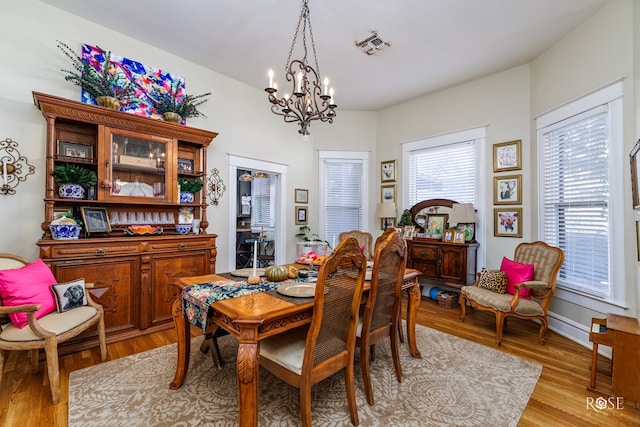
[{"x": 258, "y": 209}]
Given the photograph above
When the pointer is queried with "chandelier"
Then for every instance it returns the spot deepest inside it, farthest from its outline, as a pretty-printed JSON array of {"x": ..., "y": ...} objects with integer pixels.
[{"x": 311, "y": 100}]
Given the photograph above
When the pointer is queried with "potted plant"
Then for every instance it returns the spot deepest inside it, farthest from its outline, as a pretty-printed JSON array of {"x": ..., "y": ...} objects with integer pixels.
[
  {"x": 102, "y": 81},
  {"x": 73, "y": 180},
  {"x": 174, "y": 107},
  {"x": 405, "y": 219},
  {"x": 188, "y": 188}
]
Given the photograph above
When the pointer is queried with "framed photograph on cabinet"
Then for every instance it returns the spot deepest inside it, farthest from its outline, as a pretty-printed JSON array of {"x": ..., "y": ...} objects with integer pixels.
[
  {"x": 76, "y": 151},
  {"x": 507, "y": 222},
  {"x": 507, "y": 156},
  {"x": 408, "y": 232},
  {"x": 95, "y": 220},
  {"x": 301, "y": 215},
  {"x": 388, "y": 193},
  {"x": 302, "y": 195},
  {"x": 185, "y": 165},
  {"x": 435, "y": 225},
  {"x": 388, "y": 171},
  {"x": 635, "y": 177},
  {"x": 447, "y": 236},
  {"x": 507, "y": 190},
  {"x": 459, "y": 237}
]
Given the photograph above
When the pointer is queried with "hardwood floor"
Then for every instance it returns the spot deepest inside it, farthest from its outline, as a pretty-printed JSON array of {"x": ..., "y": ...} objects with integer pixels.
[{"x": 559, "y": 399}]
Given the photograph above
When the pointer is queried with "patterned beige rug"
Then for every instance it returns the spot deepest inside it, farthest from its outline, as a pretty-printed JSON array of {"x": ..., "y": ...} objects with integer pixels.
[{"x": 456, "y": 383}]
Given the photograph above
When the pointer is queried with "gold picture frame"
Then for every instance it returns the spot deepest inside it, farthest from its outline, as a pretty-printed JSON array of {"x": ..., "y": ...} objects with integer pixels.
[
  {"x": 459, "y": 237},
  {"x": 507, "y": 156},
  {"x": 447, "y": 235},
  {"x": 301, "y": 215},
  {"x": 507, "y": 190},
  {"x": 301, "y": 195},
  {"x": 635, "y": 175},
  {"x": 507, "y": 222},
  {"x": 388, "y": 193},
  {"x": 388, "y": 171}
]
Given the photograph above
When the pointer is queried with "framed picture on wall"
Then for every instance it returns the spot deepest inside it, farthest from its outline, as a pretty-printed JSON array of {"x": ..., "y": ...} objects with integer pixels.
[
  {"x": 302, "y": 195},
  {"x": 301, "y": 215},
  {"x": 507, "y": 222},
  {"x": 388, "y": 171},
  {"x": 507, "y": 156},
  {"x": 388, "y": 193},
  {"x": 507, "y": 190}
]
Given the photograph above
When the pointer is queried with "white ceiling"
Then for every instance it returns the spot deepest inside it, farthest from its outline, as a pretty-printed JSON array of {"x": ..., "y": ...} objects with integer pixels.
[{"x": 434, "y": 43}]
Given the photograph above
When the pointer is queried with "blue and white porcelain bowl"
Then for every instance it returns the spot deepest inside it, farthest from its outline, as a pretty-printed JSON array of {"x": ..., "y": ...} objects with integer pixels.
[
  {"x": 183, "y": 228},
  {"x": 65, "y": 231}
]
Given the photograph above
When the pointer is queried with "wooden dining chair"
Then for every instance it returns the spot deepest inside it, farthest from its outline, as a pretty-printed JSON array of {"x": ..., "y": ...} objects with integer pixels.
[
  {"x": 381, "y": 317},
  {"x": 365, "y": 240},
  {"x": 307, "y": 355}
]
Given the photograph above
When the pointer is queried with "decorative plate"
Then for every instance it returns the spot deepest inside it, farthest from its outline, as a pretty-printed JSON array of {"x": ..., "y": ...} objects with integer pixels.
[
  {"x": 247, "y": 272},
  {"x": 297, "y": 289},
  {"x": 142, "y": 230}
]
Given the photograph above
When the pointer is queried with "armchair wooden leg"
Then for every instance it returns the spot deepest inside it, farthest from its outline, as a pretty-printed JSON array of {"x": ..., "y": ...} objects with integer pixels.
[
  {"x": 51, "y": 351},
  {"x": 543, "y": 329},
  {"x": 499, "y": 326},
  {"x": 102, "y": 338},
  {"x": 463, "y": 306}
]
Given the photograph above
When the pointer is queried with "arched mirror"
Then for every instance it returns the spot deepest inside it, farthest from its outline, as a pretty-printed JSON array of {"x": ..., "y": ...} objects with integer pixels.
[{"x": 431, "y": 217}]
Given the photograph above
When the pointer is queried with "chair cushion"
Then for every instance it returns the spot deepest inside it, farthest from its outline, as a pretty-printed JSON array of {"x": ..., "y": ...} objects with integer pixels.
[
  {"x": 493, "y": 280},
  {"x": 69, "y": 295},
  {"x": 500, "y": 302},
  {"x": 55, "y": 322},
  {"x": 517, "y": 273},
  {"x": 286, "y": 350},
  {"x": 27, "y": 285}
]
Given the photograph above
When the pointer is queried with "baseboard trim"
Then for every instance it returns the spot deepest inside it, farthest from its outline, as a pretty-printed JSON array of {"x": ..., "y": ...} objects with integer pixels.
[{"x": 575, "y": 332}]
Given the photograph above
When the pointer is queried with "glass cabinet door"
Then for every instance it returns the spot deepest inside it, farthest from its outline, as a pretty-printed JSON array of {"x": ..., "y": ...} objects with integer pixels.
[{"x": 139, "y": 168}]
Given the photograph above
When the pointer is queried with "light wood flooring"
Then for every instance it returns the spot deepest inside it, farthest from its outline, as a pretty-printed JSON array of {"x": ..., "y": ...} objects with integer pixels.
[{"x": 559, "y": 399}]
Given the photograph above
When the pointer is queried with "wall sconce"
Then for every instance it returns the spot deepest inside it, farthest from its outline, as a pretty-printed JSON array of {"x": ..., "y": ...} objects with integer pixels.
[
  {"x": 215, "y": 186},
  {"x": 13, "y": 166}
]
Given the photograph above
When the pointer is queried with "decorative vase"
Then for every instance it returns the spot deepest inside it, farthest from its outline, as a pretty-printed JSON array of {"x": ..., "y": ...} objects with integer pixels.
[
  {"x": 64, "y": 231},
  {"x": 108, "y": 102},
  {"x": 172, "y": 117},
  {"x": 71, "y": 191},
  {"x": 186, "y": 197}
]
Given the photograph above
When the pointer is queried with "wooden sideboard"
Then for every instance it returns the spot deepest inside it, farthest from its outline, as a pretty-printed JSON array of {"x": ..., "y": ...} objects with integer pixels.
[{"x": 452, "y": 263}]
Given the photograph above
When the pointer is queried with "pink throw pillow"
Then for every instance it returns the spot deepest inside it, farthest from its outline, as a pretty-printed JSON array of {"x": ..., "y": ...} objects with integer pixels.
[
  {"x": 517, "y": 273},
  {"x": 27, "y": 285}
]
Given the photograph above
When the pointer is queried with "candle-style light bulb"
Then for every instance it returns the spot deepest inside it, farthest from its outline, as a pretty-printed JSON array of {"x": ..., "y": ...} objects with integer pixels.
[
  {"x": 255, "y": 256},
  {"x": 5, "y": 179},
  {"x": 299, "y": 83},
  {"x": 326, "y": 85},
  {"x": 270, "y": 78},
  {"x": 275, "y": 87},
  {"x": 332, "y": 102}
]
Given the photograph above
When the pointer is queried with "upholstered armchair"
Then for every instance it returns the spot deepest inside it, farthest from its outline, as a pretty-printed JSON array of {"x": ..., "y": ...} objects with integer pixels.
[
  {"x": 365, "y": 240},
  {"x": 36, "y": 315},
  {"x": 529, "y": 299}
]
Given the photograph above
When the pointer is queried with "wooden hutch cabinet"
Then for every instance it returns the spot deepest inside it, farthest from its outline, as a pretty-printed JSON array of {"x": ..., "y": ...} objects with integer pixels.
[
  {"x": 451, "y": 263},
  {"x": 138, "y": 162}
]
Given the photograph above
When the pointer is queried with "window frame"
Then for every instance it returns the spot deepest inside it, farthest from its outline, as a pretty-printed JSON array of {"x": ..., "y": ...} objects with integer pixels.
[{"x": 611, "y": 95}]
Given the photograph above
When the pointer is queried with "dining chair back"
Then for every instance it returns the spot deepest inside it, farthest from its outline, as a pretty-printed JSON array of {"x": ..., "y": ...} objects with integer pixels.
[
  {"x": 382, "y": 312},
  {"x": 48, "y": 331},
  {"x": 307, "y": 355},
  {"x": 365, "y": 241}
]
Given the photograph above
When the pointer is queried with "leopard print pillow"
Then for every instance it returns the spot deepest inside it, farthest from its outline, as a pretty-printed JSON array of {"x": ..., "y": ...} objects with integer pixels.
[{"x": 493, "y": 280}]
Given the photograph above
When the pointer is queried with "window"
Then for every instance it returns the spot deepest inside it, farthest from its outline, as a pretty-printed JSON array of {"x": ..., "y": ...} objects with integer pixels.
[
  {"x": 443, "y": 167},
  {"x": 577, "y": 145},
  {"x": 343, "y": 177},
  {"x": 262, "y": 194}
]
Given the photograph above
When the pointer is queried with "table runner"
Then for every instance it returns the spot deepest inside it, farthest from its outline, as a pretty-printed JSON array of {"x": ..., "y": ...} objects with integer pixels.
[{"x": 197, "y": 299}]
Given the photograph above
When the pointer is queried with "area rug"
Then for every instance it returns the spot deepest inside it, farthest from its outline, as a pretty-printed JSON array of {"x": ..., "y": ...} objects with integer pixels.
[{"x": 456, "y": 383}]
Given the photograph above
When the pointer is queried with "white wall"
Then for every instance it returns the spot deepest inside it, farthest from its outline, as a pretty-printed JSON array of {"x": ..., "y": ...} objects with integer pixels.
[
  {"x": 601, "y": 50},
  {"x": 240, "y": 114}
]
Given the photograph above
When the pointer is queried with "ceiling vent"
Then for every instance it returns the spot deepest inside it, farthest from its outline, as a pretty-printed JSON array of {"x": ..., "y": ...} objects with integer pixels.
[{"x": 372, "y": 44}]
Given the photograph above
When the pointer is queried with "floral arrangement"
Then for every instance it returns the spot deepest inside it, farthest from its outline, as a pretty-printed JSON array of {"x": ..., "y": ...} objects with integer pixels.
[
  {"x": 99, "y": 79},
  {"x": 169, "y": 101}
]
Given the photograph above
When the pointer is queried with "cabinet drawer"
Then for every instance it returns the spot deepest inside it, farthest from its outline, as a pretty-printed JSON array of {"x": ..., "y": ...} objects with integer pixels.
[
  {"x": 89, "y": 250},
  {"x": 181, "y": 244},
  {"x": 424, "y": 252}
]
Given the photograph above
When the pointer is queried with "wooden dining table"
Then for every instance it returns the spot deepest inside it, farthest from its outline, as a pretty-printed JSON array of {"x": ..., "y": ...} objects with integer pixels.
[{"x": 251, "y": 318}]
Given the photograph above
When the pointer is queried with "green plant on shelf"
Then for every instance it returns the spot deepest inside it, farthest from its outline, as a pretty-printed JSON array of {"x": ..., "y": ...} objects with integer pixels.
[
  {"x": 190, "y": 185},
  {"x": 74, "y": 174}
]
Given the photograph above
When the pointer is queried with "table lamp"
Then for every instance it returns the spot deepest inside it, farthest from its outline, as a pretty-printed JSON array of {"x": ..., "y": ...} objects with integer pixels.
[
  {"x": 464, "y": 215},
  {"x": 385, "y": 211}
]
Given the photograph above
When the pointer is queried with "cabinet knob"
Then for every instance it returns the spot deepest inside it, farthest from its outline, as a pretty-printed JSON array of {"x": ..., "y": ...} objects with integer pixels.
[
  {"x": 182, "y": 246},
  {"x": 100, "y": 252}
]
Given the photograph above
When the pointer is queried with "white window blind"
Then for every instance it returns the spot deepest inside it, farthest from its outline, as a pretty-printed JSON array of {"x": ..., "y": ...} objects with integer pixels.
[
  {"x": 262, "y": 194},
  {"x": 343, "y": 182},
  {"x": 445, "y": 171},
  {"x": 575, "y": 201}
]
